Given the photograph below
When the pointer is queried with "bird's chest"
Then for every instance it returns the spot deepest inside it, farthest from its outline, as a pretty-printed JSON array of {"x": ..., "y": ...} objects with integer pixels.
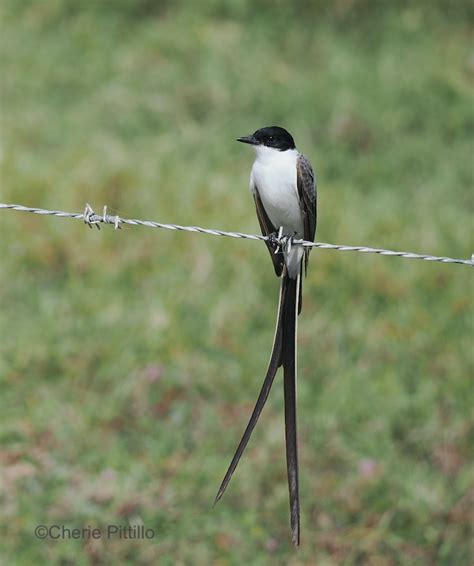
[{"x": 275, "y": 179}]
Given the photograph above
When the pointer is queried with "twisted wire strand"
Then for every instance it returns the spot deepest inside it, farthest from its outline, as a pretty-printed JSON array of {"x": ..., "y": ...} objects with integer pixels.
[{"x": 92, "y": 219}]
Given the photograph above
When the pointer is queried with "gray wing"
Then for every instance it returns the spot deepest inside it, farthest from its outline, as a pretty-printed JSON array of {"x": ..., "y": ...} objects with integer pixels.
[{"x": 306, "y": 183}]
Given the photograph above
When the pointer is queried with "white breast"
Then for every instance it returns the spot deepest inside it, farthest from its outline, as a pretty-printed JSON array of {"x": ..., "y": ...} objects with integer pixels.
[{"x": 274, "y": 174}]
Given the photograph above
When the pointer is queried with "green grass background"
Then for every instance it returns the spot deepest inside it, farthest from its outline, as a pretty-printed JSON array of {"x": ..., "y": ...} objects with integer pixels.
[{"x": 130, "y": 360}]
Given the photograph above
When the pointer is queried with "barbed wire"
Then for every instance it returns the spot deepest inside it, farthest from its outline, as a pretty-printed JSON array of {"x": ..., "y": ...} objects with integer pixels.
[{"x": 92, "y": 219}]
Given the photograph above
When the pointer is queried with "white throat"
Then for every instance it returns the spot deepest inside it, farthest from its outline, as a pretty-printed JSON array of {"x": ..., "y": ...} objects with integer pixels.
[{"x": 270, "y": 154}]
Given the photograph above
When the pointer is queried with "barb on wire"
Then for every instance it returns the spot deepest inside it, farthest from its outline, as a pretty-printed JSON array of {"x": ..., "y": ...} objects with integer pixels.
[{"x": 90, "y": 218}]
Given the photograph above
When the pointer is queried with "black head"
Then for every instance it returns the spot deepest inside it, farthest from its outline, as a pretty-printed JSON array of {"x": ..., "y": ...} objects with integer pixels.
[{"x": 271, "y": 136}]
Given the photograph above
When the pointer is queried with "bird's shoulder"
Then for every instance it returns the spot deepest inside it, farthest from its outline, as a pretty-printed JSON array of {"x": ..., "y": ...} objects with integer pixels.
[
  {"x": 305, "y": 169},
  {"x": 306, "y": 177}
]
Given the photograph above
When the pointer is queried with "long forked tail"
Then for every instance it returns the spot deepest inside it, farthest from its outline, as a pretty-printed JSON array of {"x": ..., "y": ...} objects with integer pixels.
[
  {"x": 283, "y": 353},
  {"x": 289, "y": 331}
]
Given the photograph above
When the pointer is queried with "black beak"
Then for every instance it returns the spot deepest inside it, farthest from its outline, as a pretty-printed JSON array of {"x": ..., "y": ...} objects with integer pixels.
[{"x": 248, "y": 139}]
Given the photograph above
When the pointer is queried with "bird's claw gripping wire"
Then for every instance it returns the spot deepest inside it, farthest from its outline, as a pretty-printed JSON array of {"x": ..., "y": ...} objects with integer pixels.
[
  {"x": 282, "y": 242},
  {"x": 275, "y": 239}
]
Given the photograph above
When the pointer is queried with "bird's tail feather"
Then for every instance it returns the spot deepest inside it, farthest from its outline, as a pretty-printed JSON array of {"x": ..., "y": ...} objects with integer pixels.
[
  {"x": 273, "y": 365},
  {"x": 289, "y": 324},
  {"x": 283, "y": 353}
]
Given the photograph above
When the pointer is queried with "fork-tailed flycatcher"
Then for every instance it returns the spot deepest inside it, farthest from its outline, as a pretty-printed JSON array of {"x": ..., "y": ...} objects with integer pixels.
[{"x": 283, "y": 185}]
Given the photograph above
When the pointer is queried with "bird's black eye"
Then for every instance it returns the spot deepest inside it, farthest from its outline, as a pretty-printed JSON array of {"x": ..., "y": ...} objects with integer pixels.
[{"x": 271, "y": 138}]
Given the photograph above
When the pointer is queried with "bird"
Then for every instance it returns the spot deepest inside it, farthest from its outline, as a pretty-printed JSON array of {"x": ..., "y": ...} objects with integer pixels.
[{"x": 283, "y": 185}]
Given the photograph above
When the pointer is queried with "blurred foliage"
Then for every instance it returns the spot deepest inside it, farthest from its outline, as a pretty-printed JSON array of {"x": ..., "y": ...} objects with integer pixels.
[{"x": 130, "y": 360}]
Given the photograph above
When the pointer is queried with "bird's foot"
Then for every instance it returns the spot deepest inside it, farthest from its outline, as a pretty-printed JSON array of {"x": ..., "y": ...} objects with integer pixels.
[
  {"x": 274, "y": 239},
  {"x": 281, "y": 242}
]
